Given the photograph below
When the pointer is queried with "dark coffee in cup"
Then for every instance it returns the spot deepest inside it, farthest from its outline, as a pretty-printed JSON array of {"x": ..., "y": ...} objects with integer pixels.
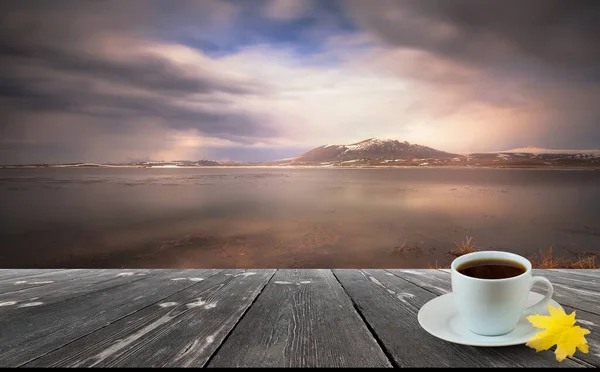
[{"x": 491, "y": 268}]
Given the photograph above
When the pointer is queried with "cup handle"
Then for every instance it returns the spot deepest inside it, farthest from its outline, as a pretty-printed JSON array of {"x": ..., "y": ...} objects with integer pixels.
[{"x": 542, "y": 305}]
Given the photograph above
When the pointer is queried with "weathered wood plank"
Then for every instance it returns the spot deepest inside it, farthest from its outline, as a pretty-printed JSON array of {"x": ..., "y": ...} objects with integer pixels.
[
  {"x": 434, "y": 281},
  {"x": 391, "y": 304},
  {"x": 89, "y": 281},
  {"x": 9, "y": 274},
  {"x": 303, "y": 318},
  {"x": 182, "y": 330},
  {"x": 131, "y": 329},
  {"x": 431, "y": 280},
  {"x": 595, "y": 273},
  {"x": 32, "y": 331},
  {"x": 572, "y": 291},
  {"x": 56, "y": 278},
  {"x": 569, "y": 278}
]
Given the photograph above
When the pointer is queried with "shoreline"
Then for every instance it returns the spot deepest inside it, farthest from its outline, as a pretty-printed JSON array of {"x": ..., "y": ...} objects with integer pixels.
[{"x": 590, "y": 167}]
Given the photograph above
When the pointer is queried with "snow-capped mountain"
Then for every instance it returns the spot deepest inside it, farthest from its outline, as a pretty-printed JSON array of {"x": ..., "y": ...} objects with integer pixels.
[
  {"x": 388, "y": 152},
  {"x": 532, "y": 156},
  {"x": 537, "y": 150},
  {"x": 370, "y": 150}
]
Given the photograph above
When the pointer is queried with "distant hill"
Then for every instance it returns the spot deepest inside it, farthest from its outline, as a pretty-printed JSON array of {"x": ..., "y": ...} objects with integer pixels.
[
  {"x": 385, "y": 152},
  {"x": 388, "y": 152},
  {"x": 532, "y": 156},
  {"x": 177, "y": 163},
  {"x": 538, "y": 150},
  {"x": 135, "y": 164},
  {"x": 372, "y": 150}
]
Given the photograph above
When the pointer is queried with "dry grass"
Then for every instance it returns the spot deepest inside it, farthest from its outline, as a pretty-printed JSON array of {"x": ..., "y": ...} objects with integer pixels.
[
  {"x": 468, "y": 246},
  {"x": 546, "y": 260},
  {"x": 588, "y": 262}
]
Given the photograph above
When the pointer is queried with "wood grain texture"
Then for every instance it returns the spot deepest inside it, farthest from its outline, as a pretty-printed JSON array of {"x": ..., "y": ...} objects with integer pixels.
[
  {"x": 574, "y": 291},
  {"x": 581, "y": 281},
  {"x": 595, "y": 273},
  {"x": 196, "y": 318},
  {"x": 434, "y": 281},
  {"x": 431, "y": 280},
  {"x": 391, "y": 304},
  {"x": 63, "y": 281},
  {"x": 73, "y": 285},
  {"x": 303, "y": 318},
  {"x": 40, "y": 280},
  {"x": 9, "y": 274},
  {"x": 182, "y": 330},
  {"x": 31, "y": 331}
]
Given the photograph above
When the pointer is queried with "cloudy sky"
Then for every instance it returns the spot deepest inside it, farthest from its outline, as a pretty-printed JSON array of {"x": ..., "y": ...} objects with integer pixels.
[{"x": 255, "y": 80}]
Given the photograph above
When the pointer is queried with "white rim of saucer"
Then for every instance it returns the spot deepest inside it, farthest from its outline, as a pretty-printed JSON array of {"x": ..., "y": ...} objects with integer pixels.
[{"x": 485, "y": 341}]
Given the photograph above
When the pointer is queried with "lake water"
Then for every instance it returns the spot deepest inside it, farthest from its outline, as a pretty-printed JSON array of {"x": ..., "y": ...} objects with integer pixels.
[{"x": 284, "y": 218}]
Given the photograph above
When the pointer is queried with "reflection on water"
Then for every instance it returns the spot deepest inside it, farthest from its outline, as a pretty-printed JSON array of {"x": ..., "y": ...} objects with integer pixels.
[{"x": 215, "y": 217}]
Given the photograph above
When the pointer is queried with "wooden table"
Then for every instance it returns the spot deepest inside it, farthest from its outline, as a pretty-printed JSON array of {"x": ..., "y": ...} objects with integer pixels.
[{"x": 264, "y": 318}]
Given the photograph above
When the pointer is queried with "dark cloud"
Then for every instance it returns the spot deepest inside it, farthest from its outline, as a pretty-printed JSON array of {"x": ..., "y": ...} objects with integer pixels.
[
  {"x": 511, "y": 35},
  {"x": 118, "y": 68},
  {"x": 61, "y": 58},
  {"x": 122, "y": 108},
  {"x": 78, "y": 19},
  {"x": 533, "y": 65},
  {"x": 79, "y": 97},
  {"x": 143, "y": 71},
  {"x": 68, "y": 36}
]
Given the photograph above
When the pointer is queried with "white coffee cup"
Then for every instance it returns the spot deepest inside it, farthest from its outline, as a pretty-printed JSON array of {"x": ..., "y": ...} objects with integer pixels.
[{"x": 493, "y": 307}]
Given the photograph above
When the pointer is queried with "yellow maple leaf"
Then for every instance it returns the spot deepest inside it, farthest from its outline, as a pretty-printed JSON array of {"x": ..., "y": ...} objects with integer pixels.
[{"x": 559, "y": 331}]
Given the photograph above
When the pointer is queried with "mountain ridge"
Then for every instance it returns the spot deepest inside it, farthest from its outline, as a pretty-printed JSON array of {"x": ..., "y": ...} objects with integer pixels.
[
  {"x": 382, "y": 152},
  {"x": 369, "y": 149},
  {"x": 541, "y": 150}
]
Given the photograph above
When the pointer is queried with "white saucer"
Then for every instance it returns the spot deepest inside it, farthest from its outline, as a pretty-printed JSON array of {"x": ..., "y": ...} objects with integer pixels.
[{"x": 440, "y": 318}]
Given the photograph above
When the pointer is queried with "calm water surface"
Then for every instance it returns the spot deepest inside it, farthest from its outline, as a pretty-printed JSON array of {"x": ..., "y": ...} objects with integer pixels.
[{"x": 312, "y": 218}]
